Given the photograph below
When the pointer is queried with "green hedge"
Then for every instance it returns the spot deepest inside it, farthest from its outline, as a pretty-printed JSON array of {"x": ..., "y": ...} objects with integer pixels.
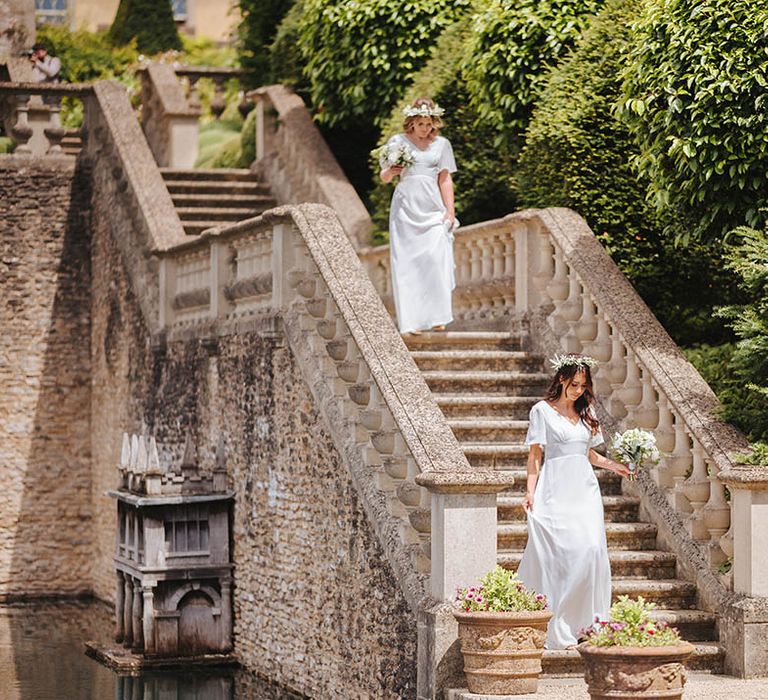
[
  {"x": 696, "y": 100},
  {"x": 577, "y": 154},
  {"x": 257, "y": 30},
  {"x": 483, "y": 182},
  {"x": 513, "y": 44},
  {"x": 285, "y": 59},
  {"x": 361, "y": 56},
  {"x": 149, "y": 22}
]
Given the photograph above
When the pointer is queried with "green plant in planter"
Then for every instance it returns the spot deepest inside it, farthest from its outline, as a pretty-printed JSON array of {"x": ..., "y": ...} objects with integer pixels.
[
  {"x": 500, "y": 591},
  {"x": 630, "y": 625}
]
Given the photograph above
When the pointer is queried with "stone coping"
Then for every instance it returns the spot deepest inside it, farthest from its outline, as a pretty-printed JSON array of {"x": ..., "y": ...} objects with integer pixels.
[
  {"x": 310, "y": 153},
  {"x": 153, "y": 201},
  {"x": 170, "y": 500},
  {"x": 55, "y": 89},
  {"x": 262, "y": 222},
  {"x": 211, "y": 71},
  {"x": 466, "y": 482},
  {"x": 745, "y": 476},
  {"x": 167, "y": 91}
]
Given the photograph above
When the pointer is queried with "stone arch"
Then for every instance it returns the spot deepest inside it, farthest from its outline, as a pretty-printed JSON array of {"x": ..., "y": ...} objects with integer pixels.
[{"x": 180, "y": 593}]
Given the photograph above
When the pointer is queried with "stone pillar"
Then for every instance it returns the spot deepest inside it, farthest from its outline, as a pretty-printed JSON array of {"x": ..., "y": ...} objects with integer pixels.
[
  {"x": 463, "y": 548},
  {"x": 149, "y": 619},
  {"x": 226, "y": 614},
  {"x": 119, "y": 603},
  {"x": 137, "y": 621},
  {"x": 128, "y": 613}
]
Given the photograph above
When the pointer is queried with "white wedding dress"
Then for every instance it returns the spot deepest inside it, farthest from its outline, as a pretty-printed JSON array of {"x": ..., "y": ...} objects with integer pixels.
[
  {"x": 420, "y": 242},
  {"x": 566, "y": 557}
]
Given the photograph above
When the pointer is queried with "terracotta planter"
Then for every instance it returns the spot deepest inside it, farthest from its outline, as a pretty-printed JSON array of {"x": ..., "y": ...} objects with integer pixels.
[
  {"x": 635, "y": 672},
  {"x": 502, "y": 651}
]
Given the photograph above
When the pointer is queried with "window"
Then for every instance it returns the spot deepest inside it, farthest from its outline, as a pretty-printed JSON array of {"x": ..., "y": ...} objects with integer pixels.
[
  {"x": 51, "y": 11},
  {"x": 131, "y": 535},
  {"x": 179, "y": 10},
  {"x": 186, "y": 530}
]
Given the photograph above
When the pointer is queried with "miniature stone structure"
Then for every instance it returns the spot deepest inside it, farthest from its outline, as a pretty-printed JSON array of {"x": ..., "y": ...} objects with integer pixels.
[{"x": 174, "y": 576}]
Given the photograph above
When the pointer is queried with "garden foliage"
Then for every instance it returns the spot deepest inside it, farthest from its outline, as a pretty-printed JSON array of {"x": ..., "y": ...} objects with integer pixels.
[
  {"x": 150, "y": 22},
  {"x": 578, "y": 154},
  {"x": 286, "y": 65},
  {"x": 630, "y": 624},
  {"x": 696, "y": 101},
  {"x": 513, "y": 44},
  {"x": 499, "y": 590},
  {"x": 360, "y": 56},
  {"x": 257, "y": 29}
]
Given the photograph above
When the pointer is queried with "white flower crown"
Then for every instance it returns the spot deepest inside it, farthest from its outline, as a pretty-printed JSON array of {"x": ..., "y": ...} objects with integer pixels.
[
  {"x": 424, "y": 111},
  {"x": 560, "y": 361}
]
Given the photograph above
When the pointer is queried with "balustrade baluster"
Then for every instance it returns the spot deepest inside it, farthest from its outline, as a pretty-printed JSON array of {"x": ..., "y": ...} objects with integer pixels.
[
  {"x": 193, "y": 96},
  {"x": 678, "y": 466},
  {"x": 497, "y": 252},
  {"x": 585, "y": 329},
  {"x": 646, "y": 413},
  {"x": 696, "y": 490},
  {"x": 557, "y": 290},
  {"x": 21, "y": 130},
  {"x": 716, "y": 515},
  {"x": 665, "y": 441},
  {"x": 631, "y": 391},
  {"x": 54, "y": 132},
  {"x": 218, "y": 102},
  {"x": 570, "y": 309},
  {"x": 615, "y": 371}
]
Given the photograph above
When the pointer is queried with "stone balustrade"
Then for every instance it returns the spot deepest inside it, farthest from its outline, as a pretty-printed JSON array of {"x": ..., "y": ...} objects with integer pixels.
[
  {"x": 547, "y": 268},
  {"x": 293, "y": 157},
  {"x": 219, "y": 76},
  {"x": 31, "y": 115}
]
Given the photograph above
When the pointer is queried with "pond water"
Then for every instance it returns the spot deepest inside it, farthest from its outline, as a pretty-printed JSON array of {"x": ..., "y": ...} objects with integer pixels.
[{"x": 42, "y": 657}]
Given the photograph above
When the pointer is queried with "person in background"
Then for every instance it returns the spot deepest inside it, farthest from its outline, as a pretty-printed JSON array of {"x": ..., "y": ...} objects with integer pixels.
[{"x": 45, "y": 68}]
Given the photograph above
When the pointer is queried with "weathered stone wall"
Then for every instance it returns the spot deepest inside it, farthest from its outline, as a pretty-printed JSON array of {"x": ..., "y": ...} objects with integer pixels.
[
  {"x": 317, "y": 607},
  {"x": 45, "y": 487}
]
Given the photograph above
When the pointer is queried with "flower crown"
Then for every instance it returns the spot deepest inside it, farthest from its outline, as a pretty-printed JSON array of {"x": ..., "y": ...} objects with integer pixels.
[
  {"x": 424, "y": 111},
  {"x": 560, "y": 361}
]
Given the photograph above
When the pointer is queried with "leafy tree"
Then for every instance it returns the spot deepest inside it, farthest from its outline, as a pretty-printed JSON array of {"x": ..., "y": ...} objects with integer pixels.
[
  {"x": 258, "y": 27},
  {"x": 696, "y": 101},
  {"x": 285, "y": 60},
  {"x": 577, "y": 154},
  {"x": 483, "y": 182},
  {"x": 514, "y": 43},
  {"x": 150, "y": 22},
  {"x": 362, "y": 55}
]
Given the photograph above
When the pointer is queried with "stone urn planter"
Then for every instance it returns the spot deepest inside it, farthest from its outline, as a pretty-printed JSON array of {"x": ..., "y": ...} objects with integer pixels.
[
  {"x": 502, "y": 650},
  {"x": 635, "y": 672}
]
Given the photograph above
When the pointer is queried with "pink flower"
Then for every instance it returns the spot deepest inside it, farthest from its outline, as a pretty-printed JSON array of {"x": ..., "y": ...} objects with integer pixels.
[
  {"x": 479, "y": 600},
  {"x": 617, "y": 626},
  {"x": 650, "y": 631}
]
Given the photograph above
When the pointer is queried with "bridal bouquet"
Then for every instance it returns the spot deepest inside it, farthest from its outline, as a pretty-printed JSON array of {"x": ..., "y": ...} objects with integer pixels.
[
  {"x": 398, "y": 155},
  {"x": 634, "y": 447}
]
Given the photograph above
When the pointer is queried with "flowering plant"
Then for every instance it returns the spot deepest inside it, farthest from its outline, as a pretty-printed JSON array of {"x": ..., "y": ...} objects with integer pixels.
[
  {"x": 398, "y": 155},
  {"x": 499, "y": 591},
  {"x": 635, "y": 446},
  {"x": 630, "y": 625}
]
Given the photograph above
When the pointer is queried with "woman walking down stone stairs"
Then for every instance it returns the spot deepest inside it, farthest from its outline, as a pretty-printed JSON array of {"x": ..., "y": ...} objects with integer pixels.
[{"x": 485, "y": 384}]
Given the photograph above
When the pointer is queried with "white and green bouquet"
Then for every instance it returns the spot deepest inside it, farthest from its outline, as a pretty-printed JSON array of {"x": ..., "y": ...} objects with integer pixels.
[
  {"x": 398, "y": 155},
  {"x": 634, "y": 447}
]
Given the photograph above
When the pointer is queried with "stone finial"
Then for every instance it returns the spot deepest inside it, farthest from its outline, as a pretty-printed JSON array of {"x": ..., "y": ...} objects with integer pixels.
[
  {"x": 125, "y": 452},
  {"x": 134, "y": 453},
  {"x": 189, "y": 459},
  {"x": 141, "y": 464},
  {"x": 221, "y": 456},
  {"x": 153, "y": 458}
]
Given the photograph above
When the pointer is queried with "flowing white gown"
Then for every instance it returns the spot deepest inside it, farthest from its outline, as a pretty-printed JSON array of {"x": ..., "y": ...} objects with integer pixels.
[
  {"x": 566, "y": 557},
  {"x": 420, "y": 242}
]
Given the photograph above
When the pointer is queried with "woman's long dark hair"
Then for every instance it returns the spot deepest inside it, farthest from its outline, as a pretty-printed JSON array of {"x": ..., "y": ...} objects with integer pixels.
[{"x": 564, "y": 376}]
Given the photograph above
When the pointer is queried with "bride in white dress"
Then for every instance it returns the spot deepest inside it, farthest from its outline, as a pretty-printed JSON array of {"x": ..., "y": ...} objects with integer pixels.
[
  {"x": 422, "y": 221},
  {"x": 566, "y": 557}
]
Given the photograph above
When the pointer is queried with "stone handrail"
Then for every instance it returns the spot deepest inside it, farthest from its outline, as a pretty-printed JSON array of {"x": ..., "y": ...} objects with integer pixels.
[
  {"x": 169, "y": 121},
  {"x": 294, "y": 158},
  {"x": 547, "y": 267},
  {"x": 297, "y": 262},
  {"x": 31, "y": 115}
]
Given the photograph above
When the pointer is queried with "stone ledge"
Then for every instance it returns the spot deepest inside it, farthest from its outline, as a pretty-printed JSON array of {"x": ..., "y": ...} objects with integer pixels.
[
  {"x": 125, "y": 662},
  {"x": 465, "y": 482},
  {"x": 745, "y": 477}
]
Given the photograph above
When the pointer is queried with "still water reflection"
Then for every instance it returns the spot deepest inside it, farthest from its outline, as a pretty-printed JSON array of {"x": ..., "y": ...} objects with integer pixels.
[{"x": 42, "y": 658}]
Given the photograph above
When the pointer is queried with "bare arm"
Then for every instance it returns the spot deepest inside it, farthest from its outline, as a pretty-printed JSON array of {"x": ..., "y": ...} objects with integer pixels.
[
  {"x": 534, "y": 465},
  {"x": 603, "y": 462},
  {"x": 389, "y": 174},
  {"x": 445, "y": 183}
]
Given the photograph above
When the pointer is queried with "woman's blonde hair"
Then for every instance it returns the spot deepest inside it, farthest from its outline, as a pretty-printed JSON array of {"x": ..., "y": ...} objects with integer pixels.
[{"x": 437, "y": 122}]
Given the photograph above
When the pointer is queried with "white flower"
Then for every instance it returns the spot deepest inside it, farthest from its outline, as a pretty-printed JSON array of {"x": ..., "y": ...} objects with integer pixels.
[{"x": 424, "y": 111}]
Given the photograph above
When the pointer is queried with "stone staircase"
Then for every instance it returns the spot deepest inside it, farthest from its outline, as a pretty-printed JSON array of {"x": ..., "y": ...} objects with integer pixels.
[
  {"x": 485, "y": 383},
  {"x": 208, "y": 198}
]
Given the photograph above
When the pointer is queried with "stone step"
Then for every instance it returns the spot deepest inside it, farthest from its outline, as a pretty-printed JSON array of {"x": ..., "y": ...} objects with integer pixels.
[
  {"x": 195, "y": 228},
  {"x": 452, "y": 340},
  {"x": 495, "y": 455},
  {"x": 610, "y": 482},
  {"x": 708, "y": 656},
  {"x": 488, "y": 429},
  {"x": 223, "y": 199},
  {"x": 475, "y": 405},
  {"x": 519, "y": 383},
  {"x": 618, "y": 509},
  {"x": 512, "y": 536},
  {"x": 223, "y": 214},
  {"x": 644, "y": 564},
  {"x": 467, "y": 359},
  {"x": 206, "y": 187},
  {"x": 228, "y": 174},
  {"x": 665, "y": 593}
]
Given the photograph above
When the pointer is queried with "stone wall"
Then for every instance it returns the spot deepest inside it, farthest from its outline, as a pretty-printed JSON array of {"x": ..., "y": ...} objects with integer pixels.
[
  {"x": 317, "y": 607},
  {"x": 45, "y": 488}
]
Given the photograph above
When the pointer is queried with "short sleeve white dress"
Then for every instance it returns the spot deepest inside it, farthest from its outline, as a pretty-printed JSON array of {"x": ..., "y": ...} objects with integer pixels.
[
  {"x": 566, "y": 557},
  {"x": 420, "y": 242}
]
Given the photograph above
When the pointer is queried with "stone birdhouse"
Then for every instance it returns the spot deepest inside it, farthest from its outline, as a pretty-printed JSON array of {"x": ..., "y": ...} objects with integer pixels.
[{"x": 172, "y": 559}]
